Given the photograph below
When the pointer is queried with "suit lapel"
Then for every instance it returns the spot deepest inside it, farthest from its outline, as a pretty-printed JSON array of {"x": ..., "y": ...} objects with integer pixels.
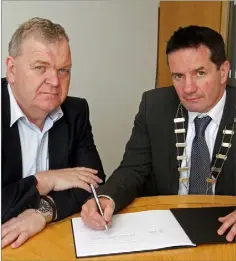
[
  {"x": 227, "y": 118},
  {"x": 58, "y": 143},
  {"x": 225, "y": 184},
  {"x": 11, "y": 148},
  {"x": 12, "y": 158}
]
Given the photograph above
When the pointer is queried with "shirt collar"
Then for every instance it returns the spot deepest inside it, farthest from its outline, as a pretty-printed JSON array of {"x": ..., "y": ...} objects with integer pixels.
[
  {"x": 215, "y": 113},
  {"x": 17, "y": 113},
  {"x": 56, "y": 114}
]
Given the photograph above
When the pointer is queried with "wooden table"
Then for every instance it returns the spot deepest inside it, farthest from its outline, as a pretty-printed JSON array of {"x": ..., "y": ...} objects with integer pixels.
[{"x": 56, "y": 241}]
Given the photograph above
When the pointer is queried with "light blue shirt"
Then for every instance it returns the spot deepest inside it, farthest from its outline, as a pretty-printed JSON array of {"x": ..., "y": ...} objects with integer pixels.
[
  {"x": 210, "y": 136},
  {"x": 34, "y": 142}
]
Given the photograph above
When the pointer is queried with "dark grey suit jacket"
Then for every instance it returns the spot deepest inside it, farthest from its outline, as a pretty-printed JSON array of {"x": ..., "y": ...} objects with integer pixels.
[
  {"x": 149, "y": 165},
  {"x": 70, "y": 145}
]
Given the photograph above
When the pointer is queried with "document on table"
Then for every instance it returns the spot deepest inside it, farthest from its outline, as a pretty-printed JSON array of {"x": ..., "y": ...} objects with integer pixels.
[{"x": 130, "y": 232}]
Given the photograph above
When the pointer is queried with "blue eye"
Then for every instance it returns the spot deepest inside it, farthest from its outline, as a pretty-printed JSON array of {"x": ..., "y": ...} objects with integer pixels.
[{"x": 63, "y": 70}]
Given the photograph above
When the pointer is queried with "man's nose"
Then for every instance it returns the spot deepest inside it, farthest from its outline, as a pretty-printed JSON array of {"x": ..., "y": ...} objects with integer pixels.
[
  {"x": 189, "y": 86},
  {"x": 53, "y": 78}
]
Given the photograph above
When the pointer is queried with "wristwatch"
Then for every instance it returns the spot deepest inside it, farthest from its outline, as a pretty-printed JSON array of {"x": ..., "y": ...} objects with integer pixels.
[{"x": 45, "y": 210}]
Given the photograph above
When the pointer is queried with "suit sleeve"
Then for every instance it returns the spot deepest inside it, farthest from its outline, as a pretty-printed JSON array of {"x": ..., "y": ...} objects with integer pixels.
[
  {"x": 85, "y": 155},
  {"x": 19, "y": 196},
  {"x": 127, "y": 181}
]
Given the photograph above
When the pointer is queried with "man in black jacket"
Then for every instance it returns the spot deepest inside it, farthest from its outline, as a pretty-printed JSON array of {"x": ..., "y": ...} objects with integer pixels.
[
  {"x": 183, "y": 139},
  {"x": 49, "y": 158}
]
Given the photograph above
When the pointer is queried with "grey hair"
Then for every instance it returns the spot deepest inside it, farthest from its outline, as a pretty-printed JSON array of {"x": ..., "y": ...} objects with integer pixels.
[{"x": 36, "y": 26}]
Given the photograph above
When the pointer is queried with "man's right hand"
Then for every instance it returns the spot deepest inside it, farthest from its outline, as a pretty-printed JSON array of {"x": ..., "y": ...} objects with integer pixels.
[
  {"x": 64, "y": 179},
  {"x": 91, "y": 216}
]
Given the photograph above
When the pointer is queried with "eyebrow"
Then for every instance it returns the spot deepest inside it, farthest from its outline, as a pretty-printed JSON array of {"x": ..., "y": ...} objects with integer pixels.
[
  {"x": 67, "y": 65},
  {"x": 176, "y": 73},
  {"x": 200, "y": 68},
  {"x": 41, "y": 62},
  {"x": 47, "y": 63}
]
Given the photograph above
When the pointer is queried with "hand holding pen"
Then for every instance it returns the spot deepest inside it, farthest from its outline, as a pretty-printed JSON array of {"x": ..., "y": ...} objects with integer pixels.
[{"x": 98, "y": 204}]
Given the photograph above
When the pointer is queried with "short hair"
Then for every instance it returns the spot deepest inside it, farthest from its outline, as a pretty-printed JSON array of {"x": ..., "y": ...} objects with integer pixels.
[
  {"x": 36, "y": 26},
  {"x": 193, "y": 36}
]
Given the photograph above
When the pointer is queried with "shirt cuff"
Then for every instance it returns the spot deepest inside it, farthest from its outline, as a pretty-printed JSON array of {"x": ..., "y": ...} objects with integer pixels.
[{"x": 105, "y": 196}]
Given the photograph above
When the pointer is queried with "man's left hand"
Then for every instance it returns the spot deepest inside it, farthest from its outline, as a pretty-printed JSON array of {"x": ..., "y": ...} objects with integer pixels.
[
  {"x": 228, "y": 221},
  {"x": 17, "y": 230}
]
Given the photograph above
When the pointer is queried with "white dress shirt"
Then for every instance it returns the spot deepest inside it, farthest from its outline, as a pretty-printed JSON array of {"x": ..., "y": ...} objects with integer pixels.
[
  {"x": 34, "y": 142},
  {"x": 210, "y": 136}
]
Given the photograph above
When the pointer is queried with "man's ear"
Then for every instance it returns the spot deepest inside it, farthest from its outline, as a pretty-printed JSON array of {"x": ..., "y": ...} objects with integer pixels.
[
  {"x": 10, "y": 64},
  {"x": 224, "y": 72}
]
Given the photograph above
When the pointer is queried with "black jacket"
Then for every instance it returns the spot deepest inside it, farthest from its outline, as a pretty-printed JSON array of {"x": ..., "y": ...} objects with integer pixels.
[
  {"x": 149, "y": 165},
  {"x": 70, "y": 145}
]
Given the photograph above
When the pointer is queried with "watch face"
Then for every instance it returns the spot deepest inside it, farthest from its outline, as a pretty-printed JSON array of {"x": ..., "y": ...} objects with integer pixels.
[
  {"x": 45, "y": 210},
  {"x": 44, "y": 206}
]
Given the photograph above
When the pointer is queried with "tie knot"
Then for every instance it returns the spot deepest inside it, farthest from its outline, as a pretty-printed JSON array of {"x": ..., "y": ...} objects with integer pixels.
[{"x": 201, "y": 124}]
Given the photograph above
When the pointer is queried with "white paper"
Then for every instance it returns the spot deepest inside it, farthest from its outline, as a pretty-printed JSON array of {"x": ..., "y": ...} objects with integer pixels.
[{"x": 130, "y": 232}]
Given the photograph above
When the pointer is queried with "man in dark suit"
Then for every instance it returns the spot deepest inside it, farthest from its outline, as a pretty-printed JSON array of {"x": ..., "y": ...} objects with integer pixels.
[
  {"x": 49, "y": 158},
  {"x": 183, "y": 136}
]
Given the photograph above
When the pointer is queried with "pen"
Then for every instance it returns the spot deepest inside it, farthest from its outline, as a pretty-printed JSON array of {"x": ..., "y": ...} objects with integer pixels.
[{"x": 98, "y": 203}]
